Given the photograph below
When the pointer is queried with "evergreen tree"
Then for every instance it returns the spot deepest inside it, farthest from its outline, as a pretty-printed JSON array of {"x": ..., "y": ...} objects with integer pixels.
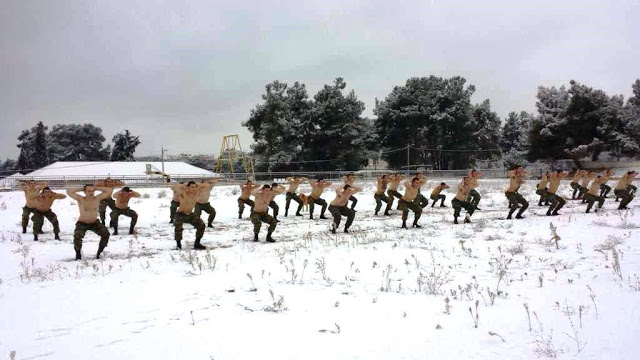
[
  {"x": 548, "y": 132},
  {"x": 34, "y": 148},
  {"x": 487, "y": 135},
  {"x": 124, "y": 146},
  {"x": 427, "y": 113},
  {"x": 75, "y": 142}
]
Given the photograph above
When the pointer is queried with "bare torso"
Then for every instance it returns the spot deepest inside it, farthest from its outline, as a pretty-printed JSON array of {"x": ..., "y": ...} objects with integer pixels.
[
  {"x": 554, "y": 182},
  {"x": 44, "y": 202},
  {"x": 88, "y": 206},
  {"x": 515, "y": 180},
  {"x": 463, "y": 191},
  {"x": 245, "y": 191},
  {"x": 205, "y": 192},
  {"x": 594, "y": 189},
  {"x": 410, "y": 191},
  {"x": 543, "y": 182},
  {"x": 342, "y": 197},
  {"x": 436, "y": 190},
  {"x": 394, "y": 182},
  {"x": 317, "y": 189},
  {"x": 293, "y": 185},
  {"x": 31, "y": 195},
  {"x": 382, "y": 186},
  {"x": 122, "y": 199}
]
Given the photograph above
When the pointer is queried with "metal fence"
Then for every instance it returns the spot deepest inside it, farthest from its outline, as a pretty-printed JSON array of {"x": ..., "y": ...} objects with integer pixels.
[{"x": 60, "y": 182}]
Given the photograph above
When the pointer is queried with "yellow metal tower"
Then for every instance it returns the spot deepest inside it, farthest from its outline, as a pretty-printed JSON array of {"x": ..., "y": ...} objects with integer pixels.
[{"x": 230, "y": 152}]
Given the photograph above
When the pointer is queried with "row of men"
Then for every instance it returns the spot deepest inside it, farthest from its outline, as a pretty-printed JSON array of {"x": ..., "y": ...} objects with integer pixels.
[{"x": 191, "y": 199}]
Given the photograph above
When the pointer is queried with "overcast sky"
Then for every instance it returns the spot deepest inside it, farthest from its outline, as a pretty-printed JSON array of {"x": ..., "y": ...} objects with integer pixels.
[{"x": 182, "y": 73}]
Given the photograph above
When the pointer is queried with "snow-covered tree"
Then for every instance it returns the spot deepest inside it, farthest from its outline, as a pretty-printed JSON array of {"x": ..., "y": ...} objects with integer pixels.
[
  {"x": 75, "y": 142},
  {"x": 124, "y": 146}
]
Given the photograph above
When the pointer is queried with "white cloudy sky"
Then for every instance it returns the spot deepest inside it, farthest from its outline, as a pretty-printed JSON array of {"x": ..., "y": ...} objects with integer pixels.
[{"x": 183, "y": 73}]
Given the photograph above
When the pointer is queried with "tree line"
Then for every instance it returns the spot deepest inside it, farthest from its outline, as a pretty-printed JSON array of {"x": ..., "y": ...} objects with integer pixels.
[
  {"x": 435, "y": 118},
  {"x": 40, "y": 146}
]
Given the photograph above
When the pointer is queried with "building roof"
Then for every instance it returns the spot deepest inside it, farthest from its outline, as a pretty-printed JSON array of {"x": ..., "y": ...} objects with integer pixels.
[{"x": 117, "y": 168}]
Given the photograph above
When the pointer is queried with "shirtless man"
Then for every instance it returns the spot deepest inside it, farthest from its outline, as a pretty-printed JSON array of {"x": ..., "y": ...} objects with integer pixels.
[
  {"x": 604, "y": 188},
  {"x": 188, "y": 196},
  {"x": 557, "y": 201},
  {"x": 584, "y": 186},
  {"x": 259, "y": 214},
  {"x": 88, "y": 219},
  {"x": 407, "y": 201},
  {"x": 122, "y": 198},
  {"x": 541, "y": 188},
  {"x": 175, "y": 202},
  {"x": 245, "y": 193},
  {"x": 272, "y": 203},
  {"x": 43, "y": 210},
  {"x": 31, "y": 191},
  {"x": 294, "y": 182},
  {"x": 394, "y": 182},
  {"x": 625, "y": 190},
  {"x": 436, "y": 194},
  {"x": 203, "y": 203},
  {"x": 110, "y": 184},
  {"x": 575, "y": 182},
  {"x": 516, "y": 178},
  {"x": 338, "y": 207},
  {"x": 420, "y": 199},
  {"x": 592, "y": 194},
  {"x": 349, "y": 180},
  {"x": 473, "y": 176},
  {"x": 462, "y": 200},
  {"x": 379, "y": 195},
  {"x": 317, "y": 187}
]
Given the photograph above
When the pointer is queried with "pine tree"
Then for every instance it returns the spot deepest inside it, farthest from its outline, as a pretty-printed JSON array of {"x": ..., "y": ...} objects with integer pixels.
[
  {"x": 124, "y": 146},
  {"x": 75, "y": 142}
]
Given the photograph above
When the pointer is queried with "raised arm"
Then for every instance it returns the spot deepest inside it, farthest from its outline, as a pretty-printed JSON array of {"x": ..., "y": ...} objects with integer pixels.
[
  {"x": 407, "y": 184},
  {"x": 355, "y": 189},
  {"x": 59, "y": 196},
  {"x": 279, "y": 189},
  {"x": 255, "y": 191},
  {"x": 73, "y": 193},
  {"x": 41, "y": 185},
  {"x": 327, "y": 184},
  {"x": 105, "y": 192},
  {"x": 135, "y": 194}
]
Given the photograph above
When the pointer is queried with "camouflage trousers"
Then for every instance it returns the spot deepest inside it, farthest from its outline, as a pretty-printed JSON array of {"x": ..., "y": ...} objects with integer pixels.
[
  {"x": 338, "y": 212},
  {"x": 391, "y": 194},
  {"x": 474, "y": 197},
  {"x": 379, "y": 199},
  {"x": 206, "y": 207},
  {"x": 459, "y": 205},
  {"x": 592, "y": 199},
  {"x": 115, "y": 214},
  {"x": 182, "y": 218},
  {"x": 313, "y": 202},
  {"x": 95, "y": 227},
  {"x": 275, "y": 207},
  {"x": 516, "y": 198},
  {"x": 242, "y": 203},
  {"x": 102, "y": 208},
  {"x": 172, "y": 209},
  {"x": 557, "y": 202},
  {"x": 292, "y": 196},
  {"x": 26, "y": 211},
  {"x": 435, "y": 199},
  {"x": 414, "y": 206},
  {"x": 38, "y": 221},
  {"x": 258, "y": 218}
]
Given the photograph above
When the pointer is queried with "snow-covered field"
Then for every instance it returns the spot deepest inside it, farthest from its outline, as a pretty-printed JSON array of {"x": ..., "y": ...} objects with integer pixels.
[{"x": 494, "y": 289}]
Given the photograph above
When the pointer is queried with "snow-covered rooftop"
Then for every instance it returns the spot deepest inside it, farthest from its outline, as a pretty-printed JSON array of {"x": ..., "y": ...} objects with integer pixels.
[{"x": 117, "y": 168}]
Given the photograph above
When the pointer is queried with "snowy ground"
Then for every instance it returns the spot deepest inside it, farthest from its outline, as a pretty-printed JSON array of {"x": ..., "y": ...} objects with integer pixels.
[{"x": 440, "y": 292}]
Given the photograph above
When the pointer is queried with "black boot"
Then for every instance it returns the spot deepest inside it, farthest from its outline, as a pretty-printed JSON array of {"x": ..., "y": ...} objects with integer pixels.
[
  {"x": 255, "y": 238},
  {"x": 35, "y": 237},
  {"x": 333, "y": 228},
  {"x": 210, "y": 225},
  {"x": 132, "y": 231},
  {"x": 298, "y": 214},
  {"x": 323, "y": 217},
  {"x": 57, "y": 236},
  {"x": 415, "y": 225},
  {"x": 198, "y": 246},
  {"x": 269, "y": 238},
  {"x": 386, "y": 213},
  {"x": 24, "y": 230},
  {"x": 404, "y": 224},
  {"x": 78, "y": 255},
  {"x": 455, "y": 220},
  {"x": 179, "y": 244},
  {"x": 519, "y": 216},
  {"x": 115, "y": 231},
  {"x": 100, "y": 250}
]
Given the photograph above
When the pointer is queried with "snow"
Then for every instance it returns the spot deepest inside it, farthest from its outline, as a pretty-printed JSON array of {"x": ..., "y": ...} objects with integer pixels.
[
  {"x": 116, "y": 168},
  {"x": 345, "y": 296}
]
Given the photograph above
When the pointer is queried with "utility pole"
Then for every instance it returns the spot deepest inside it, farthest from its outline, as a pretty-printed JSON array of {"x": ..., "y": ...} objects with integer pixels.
[
  {"x": 408, "y": 163},
  {"x": 163, "y": 151}
]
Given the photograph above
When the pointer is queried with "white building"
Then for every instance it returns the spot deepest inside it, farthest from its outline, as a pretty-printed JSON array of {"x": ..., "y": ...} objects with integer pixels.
[{"x": 73, "y": 173}]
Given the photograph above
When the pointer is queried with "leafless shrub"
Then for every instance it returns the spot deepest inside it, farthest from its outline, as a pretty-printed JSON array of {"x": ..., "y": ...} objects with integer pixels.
[
  {"x": 162, "y": 194},
  {"x": 608, "y": 245},
  {"x": 544, "y": 341},
  {"x": 146, "y": 196},
  {"x": 277, "y": 305},
  {"x": 526, "y": 307},
  {"x": 569, "y": 312},
  {"x": 554, "y": 235},
  {"x": 634, "y": 283},
  {"x": 500, "y": 266},
  {"x": 615, "y": 263},
  {"x": 475, "y": 318},
  {"x": 433, "y": 279},
  {"x": 516, "y": 249},
  {"x": 497, "y": 335}
]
